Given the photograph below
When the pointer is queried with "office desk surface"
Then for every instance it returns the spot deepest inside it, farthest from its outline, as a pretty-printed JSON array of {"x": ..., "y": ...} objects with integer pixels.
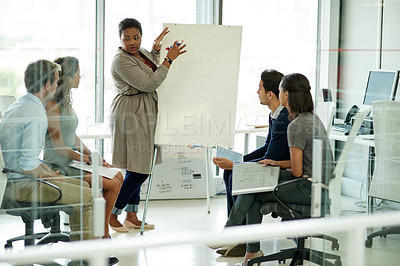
[
  {"x": 96, "y": 131},
  {"x": 102, "y": 131},
  {"x": 367, "y": 140}
]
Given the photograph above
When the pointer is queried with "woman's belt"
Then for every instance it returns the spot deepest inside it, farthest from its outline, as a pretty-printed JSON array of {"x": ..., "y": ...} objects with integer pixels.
[{"x": 141, "y": 92}]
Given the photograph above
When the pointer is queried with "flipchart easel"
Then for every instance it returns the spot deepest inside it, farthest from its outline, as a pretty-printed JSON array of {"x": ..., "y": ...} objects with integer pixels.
[{"x": 197, "y": 100}]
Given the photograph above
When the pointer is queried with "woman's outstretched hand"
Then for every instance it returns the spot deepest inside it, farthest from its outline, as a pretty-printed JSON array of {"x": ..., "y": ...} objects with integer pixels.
[
  {"x": 160, "y": 37},
  {"x": 176, "y": 50},
  {"x": 158, "y": 41}
]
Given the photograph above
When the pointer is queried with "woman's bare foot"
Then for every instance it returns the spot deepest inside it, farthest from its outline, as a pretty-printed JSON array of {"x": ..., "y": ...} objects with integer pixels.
[
  {"x": 116, "y": 225},
  {"x": 114, "y": 221}
]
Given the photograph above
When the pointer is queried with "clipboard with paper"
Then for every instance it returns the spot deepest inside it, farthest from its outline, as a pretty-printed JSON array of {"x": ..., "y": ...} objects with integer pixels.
[{"x": 252, "y": 177}]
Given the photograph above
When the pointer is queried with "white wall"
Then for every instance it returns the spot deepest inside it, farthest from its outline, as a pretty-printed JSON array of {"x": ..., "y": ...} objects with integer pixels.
[
  {"x": 359, "y": 44},
  {"x": 391, "y": 35},
  {"x": 359, "y": 50}
]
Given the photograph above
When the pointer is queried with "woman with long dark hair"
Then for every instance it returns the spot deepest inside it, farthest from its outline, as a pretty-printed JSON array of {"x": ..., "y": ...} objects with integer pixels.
[{"x": 63, "y": 145}]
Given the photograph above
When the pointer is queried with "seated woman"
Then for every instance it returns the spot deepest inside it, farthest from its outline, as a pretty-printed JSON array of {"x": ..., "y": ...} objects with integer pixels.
[
  {"x": 63, "y": 145},
  {"x": 295, "y": 95}
]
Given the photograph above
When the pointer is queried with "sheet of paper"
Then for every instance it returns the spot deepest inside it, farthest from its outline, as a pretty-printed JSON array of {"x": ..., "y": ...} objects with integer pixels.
[
  {"x": 253, "y": 177},
  {"x": 103, "y": 171},
  {"x": 229, "y": 154}
]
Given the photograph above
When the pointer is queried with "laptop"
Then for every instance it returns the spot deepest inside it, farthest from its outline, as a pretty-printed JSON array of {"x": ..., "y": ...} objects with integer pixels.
[{"x": 251, "y": 177}]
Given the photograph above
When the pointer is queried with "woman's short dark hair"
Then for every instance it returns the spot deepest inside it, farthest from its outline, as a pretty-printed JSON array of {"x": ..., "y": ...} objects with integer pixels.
[
  {"x": 299, "y": 99},
  {"x": 129, "y": 23},
  {"x": 271, "y": 79}
]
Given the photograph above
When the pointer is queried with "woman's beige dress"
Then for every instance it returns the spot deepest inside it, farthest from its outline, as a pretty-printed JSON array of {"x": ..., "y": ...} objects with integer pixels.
[{"x": 134, "y": 110}]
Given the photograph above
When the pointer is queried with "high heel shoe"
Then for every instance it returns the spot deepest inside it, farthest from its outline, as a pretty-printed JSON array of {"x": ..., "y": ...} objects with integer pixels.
[
  {"x": 119, "y": 229},
  {"x": 131, "y": 225},
  {"x": 256, "y": 255}
]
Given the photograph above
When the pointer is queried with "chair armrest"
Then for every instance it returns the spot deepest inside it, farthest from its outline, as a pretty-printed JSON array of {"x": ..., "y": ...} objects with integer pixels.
[
  {"x": 293, "y": 213},
  {"x": 6, "y": 170}
]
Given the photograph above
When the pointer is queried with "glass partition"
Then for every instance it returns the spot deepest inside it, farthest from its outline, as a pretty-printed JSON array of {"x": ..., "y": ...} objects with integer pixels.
[
  {"x": 357, "y": 67},
  {"x": 348, "y": 50},
  {"x": 44, "y": 30}
]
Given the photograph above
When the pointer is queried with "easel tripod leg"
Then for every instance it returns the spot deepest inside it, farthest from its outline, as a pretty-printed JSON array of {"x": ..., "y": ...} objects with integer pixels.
[
  {"x": 208, "y": 158},
  {"x": 148, "y": 190}
]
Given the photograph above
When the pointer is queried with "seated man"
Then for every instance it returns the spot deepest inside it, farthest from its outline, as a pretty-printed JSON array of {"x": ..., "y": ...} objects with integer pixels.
[
  {"x": 22, "y": 136},
  {"x": 275, "y": 148}
]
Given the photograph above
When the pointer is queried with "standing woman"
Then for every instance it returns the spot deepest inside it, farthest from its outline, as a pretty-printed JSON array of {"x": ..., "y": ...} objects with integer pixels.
[
  {"x": 62, "y": 145},
  {"x": 295, "y": 95},
  {"x": 137, "y": 75}
]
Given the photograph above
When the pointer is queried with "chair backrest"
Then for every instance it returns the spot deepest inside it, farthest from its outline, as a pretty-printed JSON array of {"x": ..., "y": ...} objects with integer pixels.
[
  {"x": 335, "y": 184},
  {"x": 5, "y": 102},
  {"x": 3, "y": 178},
  {"x": 326, "y": 111},
  {"x": 386, "y": 179}
]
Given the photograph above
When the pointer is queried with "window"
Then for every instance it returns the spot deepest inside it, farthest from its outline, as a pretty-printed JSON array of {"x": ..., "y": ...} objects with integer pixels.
[
  {"x": 46, "y": 30},
  {"x": 276, "y": 34}
]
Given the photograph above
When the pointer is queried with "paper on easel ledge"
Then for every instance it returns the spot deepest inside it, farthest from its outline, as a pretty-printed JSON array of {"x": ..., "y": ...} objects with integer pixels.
[{"x": 103, "y": 171}]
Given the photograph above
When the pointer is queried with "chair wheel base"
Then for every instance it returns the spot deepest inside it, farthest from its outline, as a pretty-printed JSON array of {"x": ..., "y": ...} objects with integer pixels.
[
  {"x": 335, "y": 246},
  {"x": 368, "y": 243}
]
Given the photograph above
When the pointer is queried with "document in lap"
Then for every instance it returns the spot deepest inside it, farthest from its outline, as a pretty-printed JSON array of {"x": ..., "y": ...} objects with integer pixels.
[
  {"x": 253, "y": 177},
  {"x": 103, "y": 171},
  {"x": 229, "y": 154}
]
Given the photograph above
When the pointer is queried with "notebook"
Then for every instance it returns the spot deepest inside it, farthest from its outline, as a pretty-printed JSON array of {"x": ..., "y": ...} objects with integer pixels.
[
  {"x": 103, "y": 171},
  {"x": 229, "y": 154},
  {"x": 252, "y": 177}
]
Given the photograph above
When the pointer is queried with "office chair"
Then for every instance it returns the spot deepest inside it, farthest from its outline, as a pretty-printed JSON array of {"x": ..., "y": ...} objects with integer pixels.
[
  {"x": 385, "y": 182},
  {"x": 48, "y": 213},
  {"x": 5, "y": 102},
  {"x": 299, "y": 253},
  {"x": 296, "y": 211}
]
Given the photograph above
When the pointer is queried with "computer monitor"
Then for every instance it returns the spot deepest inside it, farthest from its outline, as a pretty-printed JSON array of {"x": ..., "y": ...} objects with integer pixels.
[
  {"x": 327, "y": 95},
  {"x": 381, "y": 85}
]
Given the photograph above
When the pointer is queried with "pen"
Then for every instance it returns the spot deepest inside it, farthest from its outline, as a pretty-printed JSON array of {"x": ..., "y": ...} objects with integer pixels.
[{"x": 171, "y": 46}]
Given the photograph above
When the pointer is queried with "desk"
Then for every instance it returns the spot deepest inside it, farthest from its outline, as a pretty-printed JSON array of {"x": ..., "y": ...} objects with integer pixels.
[
  {"x": 247, "y": 133},
  {"x": 96, "y": 131},
  {"x": 101, "y": 131},
  {"x": 366, "y": 140}
]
